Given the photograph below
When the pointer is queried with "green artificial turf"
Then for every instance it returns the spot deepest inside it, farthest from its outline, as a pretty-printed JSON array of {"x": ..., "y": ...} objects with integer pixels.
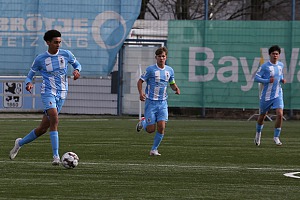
[{"x": 201, "y": 159}]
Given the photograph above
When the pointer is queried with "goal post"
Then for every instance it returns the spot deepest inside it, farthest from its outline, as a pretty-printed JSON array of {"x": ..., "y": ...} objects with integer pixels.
[{"x": 138, "y": 75}]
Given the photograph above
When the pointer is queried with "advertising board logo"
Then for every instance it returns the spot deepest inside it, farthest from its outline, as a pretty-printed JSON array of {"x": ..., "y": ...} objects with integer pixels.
[
  {"x": 108, "y": 30},
  {"x": 12, "y": 95},
  {"x": 100, "y": 21}
]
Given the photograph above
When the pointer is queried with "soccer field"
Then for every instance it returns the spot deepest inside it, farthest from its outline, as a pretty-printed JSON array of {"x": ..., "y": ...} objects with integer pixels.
[{"x": 201, "y": 159}]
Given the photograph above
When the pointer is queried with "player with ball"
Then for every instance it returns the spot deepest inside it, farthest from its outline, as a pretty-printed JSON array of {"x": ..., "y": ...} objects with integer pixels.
[{"x": 53, "y": 67}]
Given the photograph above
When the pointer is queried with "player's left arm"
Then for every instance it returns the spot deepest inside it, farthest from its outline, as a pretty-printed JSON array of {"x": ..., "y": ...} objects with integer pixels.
[
  {"x": 172, "y": 83},
  {"x": 282, "y": 79},
  {"x": 175, "y": 88},
  {"x": 76, "y": 74},
  {"x": 75, "y": 64}
]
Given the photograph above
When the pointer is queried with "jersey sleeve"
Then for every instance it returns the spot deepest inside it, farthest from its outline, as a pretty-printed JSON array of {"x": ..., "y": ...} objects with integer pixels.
[
  {"x": 145, "y": 75},
  {"x": 172, "y": 77},
  {"x": 73, "y": 61},
  {"x": 34, "y": 68},
  {"x": 282, "y": 75},
  {"x": 259, "y": 76}
]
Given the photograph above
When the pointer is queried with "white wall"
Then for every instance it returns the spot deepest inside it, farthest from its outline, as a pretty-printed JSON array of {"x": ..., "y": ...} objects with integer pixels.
[{"x": 90, "y": 96}]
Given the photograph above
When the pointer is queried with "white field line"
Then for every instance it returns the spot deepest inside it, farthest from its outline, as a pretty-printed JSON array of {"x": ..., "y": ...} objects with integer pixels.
[
  {"x": 168, "y": 165},
  {"x": 289, "y": 174},
  {"x": 292, "y": 174}
]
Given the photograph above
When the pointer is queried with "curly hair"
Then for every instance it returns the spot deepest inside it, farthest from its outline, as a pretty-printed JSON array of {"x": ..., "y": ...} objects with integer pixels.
[{"x": 49, "y": 35}]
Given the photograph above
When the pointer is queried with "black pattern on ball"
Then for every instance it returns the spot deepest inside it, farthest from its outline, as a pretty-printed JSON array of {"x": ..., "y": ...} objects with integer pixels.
[{"x": 70, "y": 160}]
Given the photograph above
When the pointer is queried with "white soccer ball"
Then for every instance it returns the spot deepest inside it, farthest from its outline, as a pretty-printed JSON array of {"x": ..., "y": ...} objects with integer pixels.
[{"x": 69, "y": 160}]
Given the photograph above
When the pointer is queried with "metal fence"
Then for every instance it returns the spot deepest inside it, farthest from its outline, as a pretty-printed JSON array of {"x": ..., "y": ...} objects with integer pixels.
[{"x": 283, "y": 10}]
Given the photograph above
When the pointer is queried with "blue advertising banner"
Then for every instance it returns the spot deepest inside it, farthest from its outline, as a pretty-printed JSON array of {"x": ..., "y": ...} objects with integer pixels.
[{"x": 93, "y": 30}]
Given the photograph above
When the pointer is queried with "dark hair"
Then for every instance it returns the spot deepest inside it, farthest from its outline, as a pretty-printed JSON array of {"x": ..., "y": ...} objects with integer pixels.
[
  {"x": 49, "y": 35},
  {"x": 274, "y": 48},
  {"x": 160, "y": 50}
]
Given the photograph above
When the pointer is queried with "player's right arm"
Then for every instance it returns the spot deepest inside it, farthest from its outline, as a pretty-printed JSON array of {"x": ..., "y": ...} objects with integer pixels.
[
  {"x": 28, "y": 80},
  {"x": 30, "y": 75},
  {"x": 29, "y": 86},
  {"x": 75, "y": 64},
  {"x": 261, "y": 77},
  {"x": 140, "y": 89}
]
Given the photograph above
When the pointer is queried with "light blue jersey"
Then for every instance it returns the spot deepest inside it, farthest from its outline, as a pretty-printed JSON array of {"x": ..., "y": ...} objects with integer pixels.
[
  {"x": 270, "y": 90},
  {"x": 53, "y": 69},
  {"x": 157, "y": 80}
]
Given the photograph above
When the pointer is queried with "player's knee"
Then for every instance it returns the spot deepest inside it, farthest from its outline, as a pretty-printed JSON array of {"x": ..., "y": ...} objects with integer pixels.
[
  {"x": 150, "y": 129},
  {"x": 161, "y": 129}
]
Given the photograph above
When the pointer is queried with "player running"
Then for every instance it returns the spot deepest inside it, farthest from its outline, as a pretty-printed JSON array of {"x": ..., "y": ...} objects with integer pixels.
[
  {"x": 270, "y": 74},
  {"x": 53, "y": 67},
  {"x": 157, "y": 77}
]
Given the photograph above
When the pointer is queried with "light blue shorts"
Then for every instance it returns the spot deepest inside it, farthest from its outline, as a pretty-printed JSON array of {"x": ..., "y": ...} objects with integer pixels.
[
  {"x": 265, "y": 106},
  {"x": 51, "y": 101},
  {"x": 155, "y": 111}
]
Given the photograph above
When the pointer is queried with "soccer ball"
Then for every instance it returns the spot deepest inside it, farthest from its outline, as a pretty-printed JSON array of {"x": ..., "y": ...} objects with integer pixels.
[{"x": 69, "y": 160}]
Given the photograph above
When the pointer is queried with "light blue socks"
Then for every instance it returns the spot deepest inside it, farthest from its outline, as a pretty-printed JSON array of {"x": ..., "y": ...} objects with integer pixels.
[
  {"x": 144, "y": 124},
  {"x": 157, "y": 139},
  {"x": 54, "y": 142},
  {"x": 53, "y": 137},
  {"x": 259, "y": 127},
  {"x": 277, "y": 132},
  {"x": 28, "y": 138}
]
